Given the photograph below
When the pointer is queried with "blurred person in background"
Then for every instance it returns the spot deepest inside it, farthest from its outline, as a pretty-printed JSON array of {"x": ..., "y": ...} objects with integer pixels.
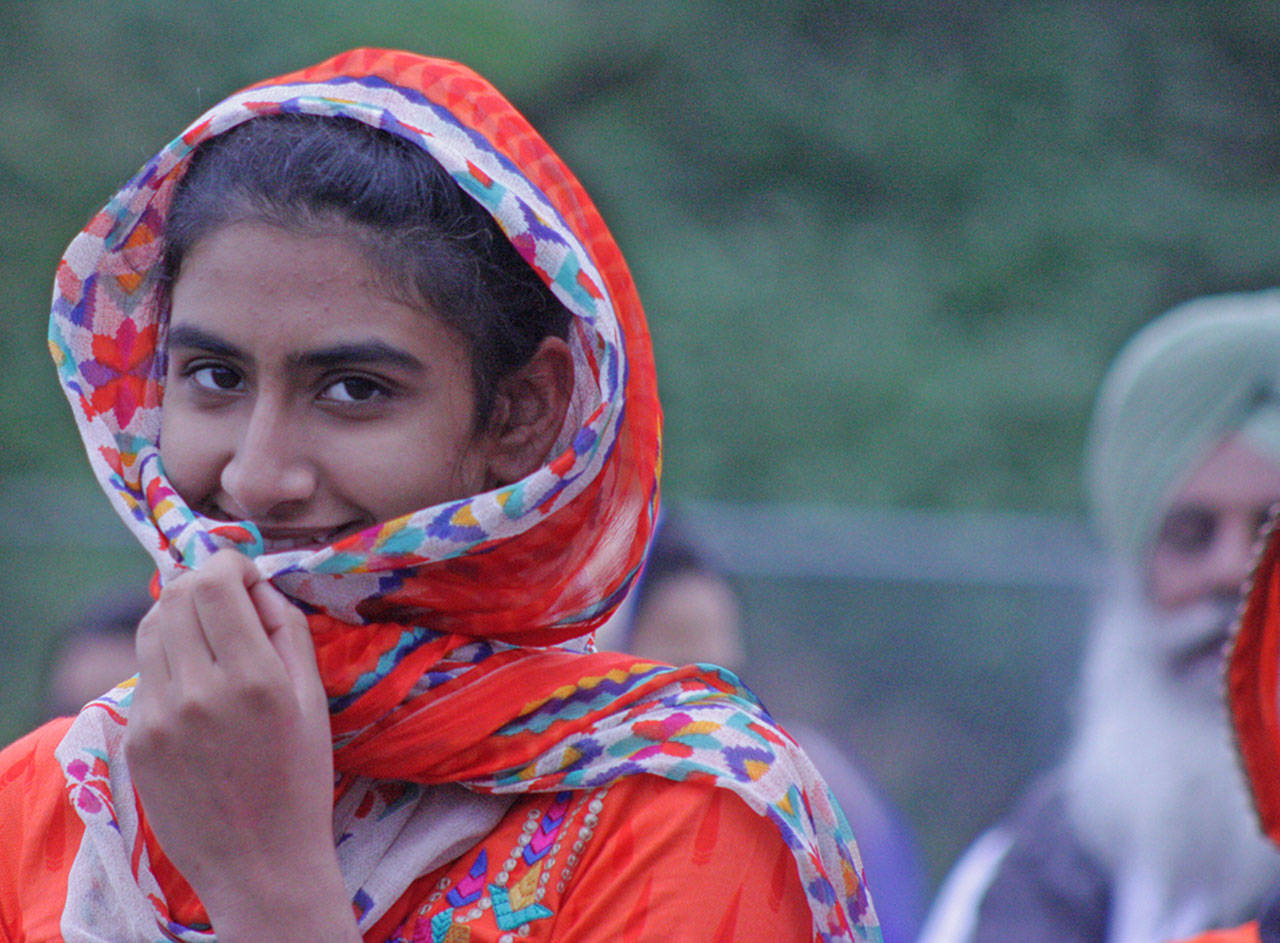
[
  {"x": 92, "y": 655},
  {"x": 684, "y": 609},
  {"x": 1144, "y": 832},
  {"x": 1253, "y": 696}
]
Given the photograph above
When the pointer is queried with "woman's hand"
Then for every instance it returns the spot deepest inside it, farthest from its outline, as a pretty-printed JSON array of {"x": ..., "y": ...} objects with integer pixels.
[{"x": 229, "y": 747}]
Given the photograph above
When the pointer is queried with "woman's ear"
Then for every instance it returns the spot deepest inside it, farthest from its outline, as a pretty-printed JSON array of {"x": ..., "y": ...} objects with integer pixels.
[{"x": 528, "y": 412}]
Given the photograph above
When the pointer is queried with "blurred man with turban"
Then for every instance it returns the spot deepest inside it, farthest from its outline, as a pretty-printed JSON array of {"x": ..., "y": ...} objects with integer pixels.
[{"x": 1144, "y": 832}]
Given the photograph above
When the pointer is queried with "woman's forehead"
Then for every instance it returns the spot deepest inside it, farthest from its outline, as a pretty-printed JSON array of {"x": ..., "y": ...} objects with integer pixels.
[{"x": 256, "y": 291}]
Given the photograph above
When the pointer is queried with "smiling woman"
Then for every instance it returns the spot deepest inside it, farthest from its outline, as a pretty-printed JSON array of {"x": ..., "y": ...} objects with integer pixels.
[
  {"x": 342, "y": 409},
  {"x": 362, "y": 368}
]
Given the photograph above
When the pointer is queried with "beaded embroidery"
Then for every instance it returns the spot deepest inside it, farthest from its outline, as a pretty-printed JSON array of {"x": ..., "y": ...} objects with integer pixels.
[{"x": 504, "y": 907}]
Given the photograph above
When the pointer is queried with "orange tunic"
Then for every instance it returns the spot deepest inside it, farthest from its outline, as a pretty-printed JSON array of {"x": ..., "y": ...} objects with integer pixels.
[
  {"x": 1246, "y": 934},
  {"x": 642, "y": 860}
]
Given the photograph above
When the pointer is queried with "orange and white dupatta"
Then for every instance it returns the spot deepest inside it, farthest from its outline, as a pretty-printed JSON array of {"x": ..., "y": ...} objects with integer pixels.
[{"x": 454, "y": 642}]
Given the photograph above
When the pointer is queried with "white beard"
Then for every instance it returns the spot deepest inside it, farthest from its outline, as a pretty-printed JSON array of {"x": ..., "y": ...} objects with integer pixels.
[{"x": 1154, "y": 790}]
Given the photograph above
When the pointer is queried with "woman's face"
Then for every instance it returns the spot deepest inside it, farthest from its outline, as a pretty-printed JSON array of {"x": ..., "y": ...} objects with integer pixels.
[{"x": 301, "y": 396}]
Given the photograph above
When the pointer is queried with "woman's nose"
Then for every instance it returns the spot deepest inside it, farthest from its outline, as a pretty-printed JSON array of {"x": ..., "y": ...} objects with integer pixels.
[{"x": 270, "y": 473}]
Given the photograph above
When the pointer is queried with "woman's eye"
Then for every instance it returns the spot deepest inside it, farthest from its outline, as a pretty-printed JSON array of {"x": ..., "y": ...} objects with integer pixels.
[
  {"x": 217, "y": 378},
  {"x": 354, "y": 390}
]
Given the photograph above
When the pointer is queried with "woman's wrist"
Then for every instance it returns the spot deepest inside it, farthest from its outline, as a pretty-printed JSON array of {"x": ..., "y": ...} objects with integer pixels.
[{"x": 292, "y": 905}]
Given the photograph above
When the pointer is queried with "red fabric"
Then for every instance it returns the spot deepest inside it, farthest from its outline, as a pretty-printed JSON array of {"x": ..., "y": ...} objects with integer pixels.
[
  {"x": 39, "y": 835},
  {"x": 1246, "y": 934},
  {"x": 654, "y": 847},
  {"x": 1253, "y": 670},
  {"x": 457, "y": 720}
]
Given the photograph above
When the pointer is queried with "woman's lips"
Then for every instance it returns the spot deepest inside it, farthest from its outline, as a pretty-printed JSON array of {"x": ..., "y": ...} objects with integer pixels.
[
  {"x": 283, "y": 544},
  {"x": 281, "y": 541}
]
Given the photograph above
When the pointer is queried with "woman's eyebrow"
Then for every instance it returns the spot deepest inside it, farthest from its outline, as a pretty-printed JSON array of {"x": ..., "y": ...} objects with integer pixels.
[
  {"x": 362, "y": 352},
  {"x": 188, "y": 336}
]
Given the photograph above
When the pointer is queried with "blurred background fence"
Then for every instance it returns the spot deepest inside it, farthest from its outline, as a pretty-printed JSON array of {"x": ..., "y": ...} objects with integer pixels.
[{"x": 937, "y": 648}]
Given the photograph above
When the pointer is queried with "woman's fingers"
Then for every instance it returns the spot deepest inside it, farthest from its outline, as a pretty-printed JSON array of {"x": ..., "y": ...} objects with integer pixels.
[
  {"x": 225, "y": 613},
  {"x": 173, "y": 624},
  {"x": 229, "y": 741},
  {"x": 224, "y": 627},
  {"x": 154, "y": 675},
  {"x": 290, "y": 637},
  {"x": 274, "y": 610},
  {"x": 153, "y": 662}
]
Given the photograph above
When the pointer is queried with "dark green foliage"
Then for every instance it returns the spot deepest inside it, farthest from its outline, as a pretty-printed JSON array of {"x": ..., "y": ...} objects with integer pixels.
[{"x": 887, "y": 251}]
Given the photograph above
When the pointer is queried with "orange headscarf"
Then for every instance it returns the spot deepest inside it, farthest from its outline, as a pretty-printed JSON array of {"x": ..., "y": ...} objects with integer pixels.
[{"x": 453, "y": 642}]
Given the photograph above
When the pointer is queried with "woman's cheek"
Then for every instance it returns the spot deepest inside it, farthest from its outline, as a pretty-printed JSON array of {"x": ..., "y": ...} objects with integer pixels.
[{"x": 187, "y": 455}]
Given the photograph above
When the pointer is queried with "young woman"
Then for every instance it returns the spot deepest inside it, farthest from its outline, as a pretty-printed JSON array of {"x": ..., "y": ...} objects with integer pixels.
[{"x": 359, "y": 363}]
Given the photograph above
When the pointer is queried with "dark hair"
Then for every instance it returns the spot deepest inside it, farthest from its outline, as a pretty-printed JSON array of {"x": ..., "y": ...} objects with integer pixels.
[{"x": 315, "y": 173}]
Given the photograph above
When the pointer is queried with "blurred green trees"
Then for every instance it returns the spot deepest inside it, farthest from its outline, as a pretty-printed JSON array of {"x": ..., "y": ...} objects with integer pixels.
[{"x": 887, "y": 250}]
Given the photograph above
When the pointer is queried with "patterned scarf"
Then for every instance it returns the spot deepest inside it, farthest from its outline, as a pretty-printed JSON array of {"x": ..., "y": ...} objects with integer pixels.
[{"x": 454, "y": 642}]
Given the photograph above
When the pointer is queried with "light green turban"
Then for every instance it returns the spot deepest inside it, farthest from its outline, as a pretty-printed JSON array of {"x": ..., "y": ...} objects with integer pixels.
[{"x": 1204, "y": 370}]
